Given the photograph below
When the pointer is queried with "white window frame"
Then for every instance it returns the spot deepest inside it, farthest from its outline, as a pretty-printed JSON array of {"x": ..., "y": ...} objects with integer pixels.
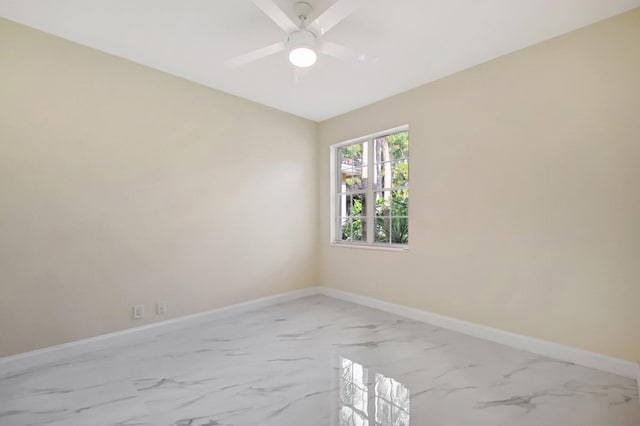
[{"x": 370, "y": 214}]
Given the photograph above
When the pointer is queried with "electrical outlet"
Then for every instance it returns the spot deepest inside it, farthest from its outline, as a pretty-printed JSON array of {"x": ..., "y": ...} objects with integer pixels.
[
  {"x": 161, "y": 308},
  {"x": 138, "y": 311}
]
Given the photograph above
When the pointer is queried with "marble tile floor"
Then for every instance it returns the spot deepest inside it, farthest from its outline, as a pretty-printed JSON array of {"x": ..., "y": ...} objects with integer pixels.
[{"x": 313, "y": 361}]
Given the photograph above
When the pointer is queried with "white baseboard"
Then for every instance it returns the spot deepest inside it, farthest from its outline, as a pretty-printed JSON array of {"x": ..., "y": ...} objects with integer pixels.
[
  {"x": 553, "y": 350},
  {"x": 60, "y": 352}
]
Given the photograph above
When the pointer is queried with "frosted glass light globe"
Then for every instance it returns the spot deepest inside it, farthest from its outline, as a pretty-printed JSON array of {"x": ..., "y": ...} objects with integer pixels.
[{"x": 302, "y": 57}]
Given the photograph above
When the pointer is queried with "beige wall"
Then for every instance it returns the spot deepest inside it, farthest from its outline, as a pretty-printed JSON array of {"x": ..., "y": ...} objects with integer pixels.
[
  {"x": 525, "y": 193},
  {"x": 121, "y": 185}
]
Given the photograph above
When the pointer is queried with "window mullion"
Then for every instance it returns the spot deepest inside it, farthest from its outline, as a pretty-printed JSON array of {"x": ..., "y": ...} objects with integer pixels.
[
  {"x": 371, "y": 208},
  {"x": 338, "y": 176}
]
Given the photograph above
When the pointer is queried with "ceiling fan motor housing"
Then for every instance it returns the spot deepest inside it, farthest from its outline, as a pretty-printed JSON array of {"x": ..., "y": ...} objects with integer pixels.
[{"x": 302, "y": 38}]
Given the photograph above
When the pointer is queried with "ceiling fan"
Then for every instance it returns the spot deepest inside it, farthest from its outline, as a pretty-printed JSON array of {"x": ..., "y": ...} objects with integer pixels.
[{"x": 303, "y": 39}]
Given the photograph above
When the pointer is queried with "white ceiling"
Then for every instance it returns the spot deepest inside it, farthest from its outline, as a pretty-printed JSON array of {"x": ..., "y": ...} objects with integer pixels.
[{"x": 408, "y": 42}]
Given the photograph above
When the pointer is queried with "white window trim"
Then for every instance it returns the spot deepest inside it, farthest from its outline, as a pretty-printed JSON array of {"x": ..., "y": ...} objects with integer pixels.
[{"x": 370, "y": 206}]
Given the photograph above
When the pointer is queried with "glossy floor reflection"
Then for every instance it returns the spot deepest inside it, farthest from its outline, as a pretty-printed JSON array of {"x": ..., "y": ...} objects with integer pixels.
[
  {"x": 390, "y": 398},
  {"x": 313, "y": 361}
]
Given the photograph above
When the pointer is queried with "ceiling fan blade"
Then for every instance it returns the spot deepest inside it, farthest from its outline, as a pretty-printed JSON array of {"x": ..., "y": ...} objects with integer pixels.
[
  {"x": 256, "y": 54},
  {"x": 332, "y": 16},
  {"x": 277, "y": 15},
  {"x": 339, "y": 51}
]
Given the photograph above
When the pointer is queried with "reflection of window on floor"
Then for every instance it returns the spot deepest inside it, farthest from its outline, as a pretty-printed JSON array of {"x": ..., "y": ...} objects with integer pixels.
[
  {"x": 392, "y": 402},
  {"x": 390, "y": 398},
  {"x": 354, "y": 394}
]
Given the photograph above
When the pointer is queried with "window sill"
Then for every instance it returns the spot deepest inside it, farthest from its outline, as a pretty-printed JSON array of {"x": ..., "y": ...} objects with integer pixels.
[{"x": 369, "y": 247}]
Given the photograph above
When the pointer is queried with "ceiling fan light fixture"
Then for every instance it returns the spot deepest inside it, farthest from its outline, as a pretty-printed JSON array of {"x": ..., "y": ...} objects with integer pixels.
[
  {"x": 302, "y": 44},
  {"x": 302, "y": 57}
]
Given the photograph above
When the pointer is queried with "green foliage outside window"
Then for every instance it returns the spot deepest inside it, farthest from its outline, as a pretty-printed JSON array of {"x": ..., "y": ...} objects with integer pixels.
[{"x": 392, "y": 221}]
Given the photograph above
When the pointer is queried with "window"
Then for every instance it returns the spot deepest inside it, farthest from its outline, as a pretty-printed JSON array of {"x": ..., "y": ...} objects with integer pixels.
[{"x": 370, "y": 190}]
